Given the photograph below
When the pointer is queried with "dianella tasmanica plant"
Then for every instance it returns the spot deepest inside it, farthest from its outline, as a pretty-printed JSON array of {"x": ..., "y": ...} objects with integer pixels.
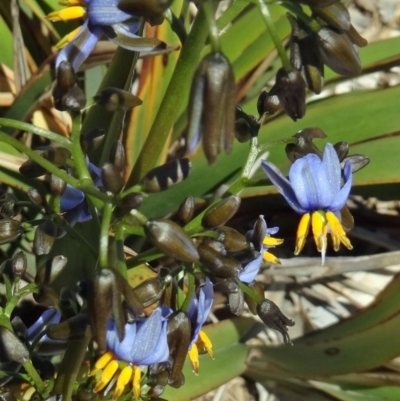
[{"x": 123, "y": 223}]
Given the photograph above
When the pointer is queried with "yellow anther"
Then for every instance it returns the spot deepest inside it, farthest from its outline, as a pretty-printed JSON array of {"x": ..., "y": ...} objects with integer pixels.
[
  {"x": 106, "y": 376},
  {"x": 269, "y": 257},
  {"x": 137, "y": 375},
  {"x": 206, "y": 342},
  {"x": 193, "y": 355},
  {"x": 67, "y": 14},
  {"x": 67, "y": 38},
  {"x": 271, "y": 241},
  {"x": 302, "y": 232},
  {"x": 319, "y": 228},
  {"x": 337, "y": 232},
  {"x": 102, "y": 362},
  {"x": 123, "y": 379}
]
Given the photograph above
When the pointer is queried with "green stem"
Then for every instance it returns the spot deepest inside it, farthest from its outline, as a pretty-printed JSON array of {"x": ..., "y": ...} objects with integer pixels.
[
  {"x": 79, "y": 158},
  {"x": 5, "y": 122},
  {"x": 274, "y": 35},
  {"x": 209, "y": 12},
  {"x": 119, "y": 238},
  {"x": 298, "y": 11},
  {"x": 248, "y": 291},
  {"x": 190, "y": 292},
  {"x": 35, "y": 377},
  {"x": 144, "y": 257},
  {"x": 171, "y": 103},
  {"x": 104, "y": 235},
  {"x": 176, "y": 25}
]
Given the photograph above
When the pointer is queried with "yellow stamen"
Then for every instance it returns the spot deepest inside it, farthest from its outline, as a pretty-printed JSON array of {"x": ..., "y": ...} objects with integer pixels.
[
  {"x": 337, "y": 232},
  {"x": 137, "y": 375},
  {"x": 271, "y": 241},
  {"x": 106, "y": 376},
  {"x": 302, "y": 232},
  {"x": 67, "y": 14},
  {"x": 206, "y": 342},
  {"x": 67, "y": 38},
  {"x": 123, "y": 379},
  {"x": 102, "y": 362},
  {"x": 70, "y": 3},
  {"x": 269, "y": 257},
  {"x": 193, "y": 354},
  {"x": 319, "y": 228}
]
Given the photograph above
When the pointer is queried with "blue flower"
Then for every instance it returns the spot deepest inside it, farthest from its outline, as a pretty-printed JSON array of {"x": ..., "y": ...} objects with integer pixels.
[
  {"x": 198, "y": 312},
  {"x": 260, "y": 237},
  {"x": 101, "y": 17},
  {"x": 315, "y": 190},
  {"x": 145, "y": 343},
  {"x": 73, "y": 202}
]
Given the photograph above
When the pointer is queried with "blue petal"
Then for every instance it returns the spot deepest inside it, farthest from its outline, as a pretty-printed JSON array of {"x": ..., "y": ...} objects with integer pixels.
[
  {"x": 250, "y": 271},
  {"x": 50, "y": 316},
  {"x": 341, "y": 197},
  {"x": 283, "y": 186},
  {"x": 332, "y": 163},
  {"x": 272, "y": 230},
  {"x": 309, "y": 179},
  {"x": 106, "y": 12},
  {"x": 79, "y": 49},
  {"x": 95, "y": 173},
  {"x": 71, "y": 198}
]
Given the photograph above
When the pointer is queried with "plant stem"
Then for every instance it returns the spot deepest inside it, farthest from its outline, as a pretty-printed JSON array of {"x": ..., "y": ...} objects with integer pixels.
[
  {"x": 189, "y": 293},
  {"x": 274, "y": 35},
  {"x": 35, "y": 377},
  {"x": 119, "y": 238},
  {"x": 79, "y": 158},
  {"x": 209, "y": 12},
  {"x": 105, "y": 228},
  {"x": 171, "y": 103},
  {"x": 248, "y": 291},
  {"x": 143, "y": 257}
]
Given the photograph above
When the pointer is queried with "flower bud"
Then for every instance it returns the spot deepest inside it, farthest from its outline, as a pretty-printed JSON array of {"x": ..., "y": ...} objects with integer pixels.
[
  {"x": 11, "y": 347},
  {"x": 65, "y": 76},
  {"x": 213, "y": 244},
  {"x": 221, "y": 212},
  {"x": 45, "y": 236},
  {"x": 291, "y": 91},
  {"x": 72, "y": 100},
  {"x": 151, "y": 290},
  {"x": 268, "y": 102},
  {"x": 131, "y": 201},
  {"x": 236, "y": 302},
  {"x": 19, "y": 264},
  {"x": 72, "y": 329},
  {"x": 9, "y": 230},
  {"x": 212, "y": 106},
  {"x": 357, "y": 162},
  {"x": 166, "y": 176},
  {"x": 46, "y": 296},
  {"x": 335, "y": 15},
  {"x": 112, "y": 178},
  {"x": 114, "y": 99},
  {"x": 356, "y": 38},
  {"x": 117, "y": 156},
  {"x": 246, "y": 127},
  {"x": 7, "y": 205},
  {"x": 56, "y": 185},
  {"x": 272, "y": 317},
  {"x": 338, "y": 52},
  {"x": 305, "y": 144},
  {"x": 36, "y": 197},
  {"x": 144, "y": 8},
  {"x": 186, "y": 210},
  {"x": 48, "y": 272},
  {"x": 92, "y": 139},
  {"x": 171, "y": 239},
  {"x": 232, "y": 239}
]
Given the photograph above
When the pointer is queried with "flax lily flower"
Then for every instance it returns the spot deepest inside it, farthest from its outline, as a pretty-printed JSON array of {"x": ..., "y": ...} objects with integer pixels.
[
  {"x": 144, "y": 344},
  {"x": 198, "y": 312},
  {"x": 315, "y": 190},
  {"x": 100, "y": 17},
  {"x": 261, "y": 237}
]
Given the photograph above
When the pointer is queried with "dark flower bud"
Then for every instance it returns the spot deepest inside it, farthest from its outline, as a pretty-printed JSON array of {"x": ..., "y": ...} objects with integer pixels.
[
  {"x": 305, "y": 144},
  {"x": 171, "y": 239},
  {"x": 232, "y": 239},
  {"x": 45, "y": 236},
  {"x": 68, "y": 303},
  {"x": 221, "y": 212},
  {"x": 7, "y": 205},
  {"x": 272, "y": 317},
  {"x": 356, "y": 38},
  {"x": 36, "y": 197},
  {"x": 92, "y": 139},
  {"x": 342, "y": 149},
  {"x": 178, "y": 335},
  {"x": 291, "y": 91},
  {"x": 114, "y": 99},
  {"x": 338, "y": 52},
  {"x": 65, "y": 76},
  {"x": 258, "y": 288},
  {"x": 335, "y": 15},
  {"x": 227, "y": 286},
  {"x": 11, "y": 347},
  {"x": 117, "y": 156},
  {"x": 144, "y": 8},
  {"x": 131, "y": 201},
  {"x": 112, "y": 178},
  {"x": 166, "y": 176},
  {"x": 31, "y": 169},
  {"x": 72, "y": 329},
  {"x": 268, "y": 102},
  {"x": 56, "y": 185},
  {"x": 212, "y": 106},
  {"x": 72, "y": 100},
  {"x": 246, "y": 127},
  {"x": 357, "y": 162},
  {"x": 19, "y": 264},
  {"x": 9, "y": 230},
  {"x": 151, "y": 290},
  {"x": 236, "y": 302},
  {"x": 213, "y": 244},
  {"x": 186, "y": 210},
  {"x": 48, "y": 272},
  {"x": 46, "y": 296},
  {"x": 218, "y": 265}
]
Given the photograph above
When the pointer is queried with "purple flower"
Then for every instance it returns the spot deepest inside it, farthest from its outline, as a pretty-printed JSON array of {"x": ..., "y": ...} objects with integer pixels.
[
  {"x": 315, "y": 190},
  {"x": 73, "y": 201}
]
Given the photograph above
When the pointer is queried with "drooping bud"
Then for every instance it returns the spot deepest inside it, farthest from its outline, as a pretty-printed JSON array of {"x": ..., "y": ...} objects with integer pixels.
[
  {"x": 151, "y": 290},
  {"x": 212, "y": 106},
  {"x": 114, "y": 99},
  {"x": 338, "y": 52},
  {"x": 186, "y": 210},
  {"x": 221, "y": 212},
  {"x": 11, "y": 347},
  {"x": 10, "y": 230},
  {"x": 112, "y": 178},
  {"x": 171, "y": 239},
  {"x": 48, "y": 272},
  {"x": 336, "y": 15},
  {"x": 45, "y": 236},
  {"x": 291, "y": 91},
  {"x": 272, "y": 317},
  {"x": 92, "y": 139},
  {"x": 166, "y": 176},
  {"x": 232, "y": 239}
]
